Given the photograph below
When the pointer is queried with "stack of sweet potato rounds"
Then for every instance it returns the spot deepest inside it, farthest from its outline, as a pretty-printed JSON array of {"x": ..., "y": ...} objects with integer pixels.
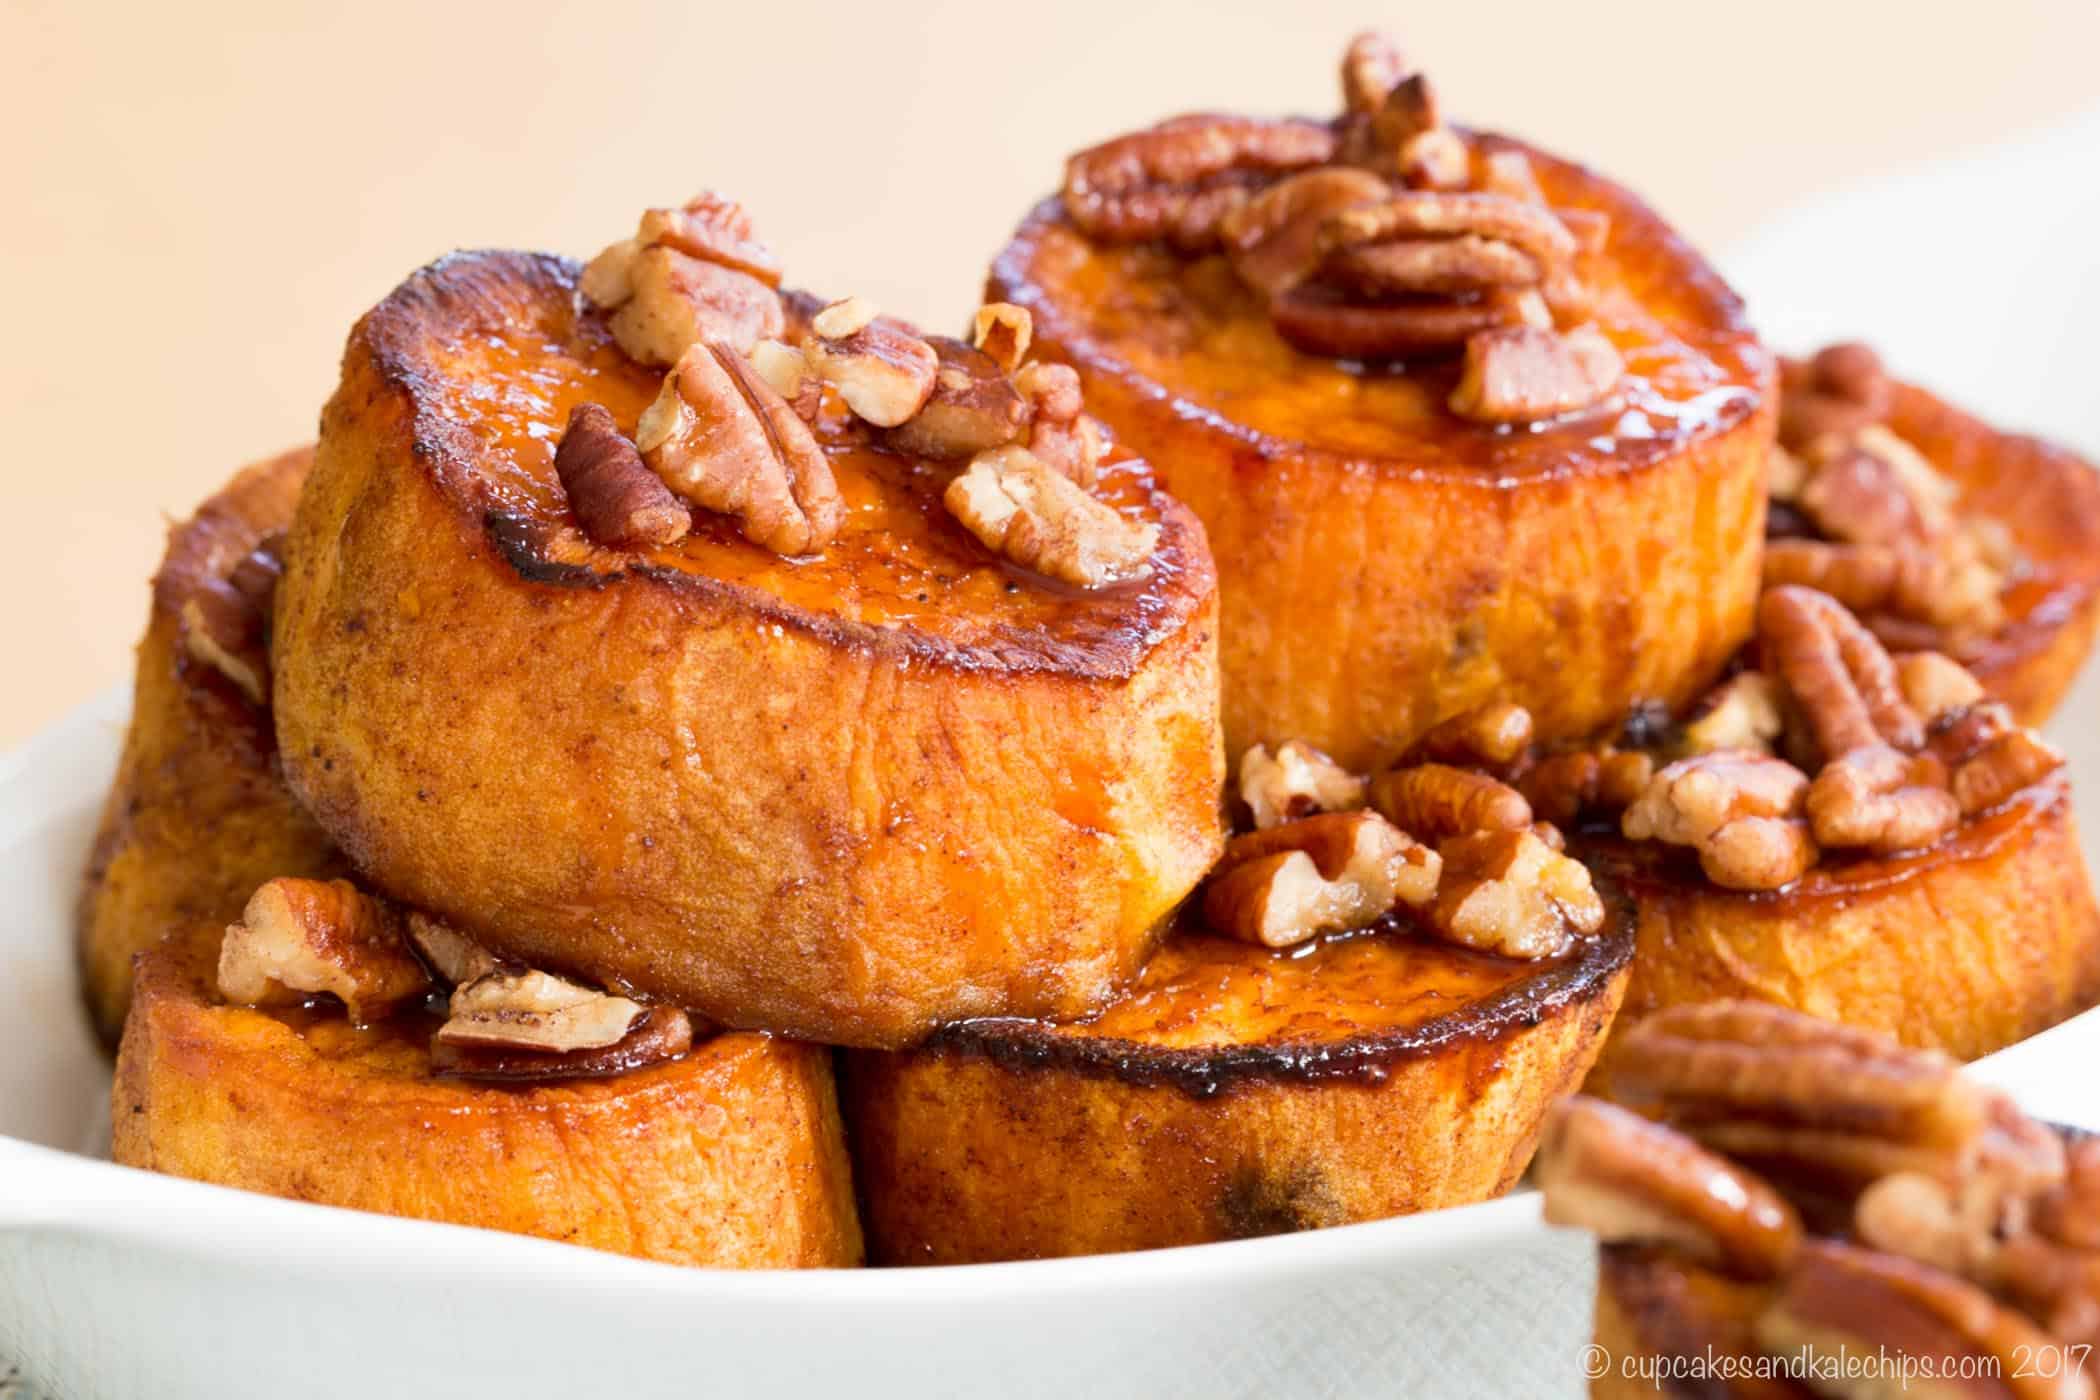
[{"x": 1358, "y": 622}]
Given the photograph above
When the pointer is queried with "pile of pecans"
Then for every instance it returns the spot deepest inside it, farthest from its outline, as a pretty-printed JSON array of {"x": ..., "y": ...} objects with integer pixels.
[
  {"x": 1439, "y": 832},
  {"x": 1379, "y": 236},
  {"x": 1895, "y": 1203},
  {"x": 733, "y": 429},
  {"x": 1861, "y": 515},
  {"x": 302, "y": 939}
]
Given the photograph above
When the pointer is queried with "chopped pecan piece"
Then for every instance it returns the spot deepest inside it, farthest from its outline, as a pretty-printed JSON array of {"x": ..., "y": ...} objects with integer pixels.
[
  {"x": 1840, "y": 1303},
  {"x": 1626, "y": 1180},
  {"x": 974, "y": 407},
  {"x": 1740, "y": 810},
  {"x": 1296, "y": 781},
  {"x": 2014, "y": 760},
  {"x": 1042, "y": 520},
  {"x": 1524, "y": 373},
  {"x": 453, "y": 956},
  {"x": 713, "y": 229},
  {"x": 1391, "y": 119},
  {"x": 527, "y": 1025},
  {"x": 1746, "y": 712},
  {"x": 617, "y": 499},
  {"x": 303, "y": 938},
  {"x": 787, "y": 373},
  {"x": 1562, "y": 787},
  {"x": 689, "y": 274},
  {"x": 1178, "y": 180},
  {"x": 1436, "y": 800},
  {"x": 721, "y": 437},
  {"x": 1323, "y": 874},
  {"x": 883, "y": 372},
  {"x": 1513, "y": 893},
  {"x": 1495, "y": 735},
  {"x": 1936, "y": 685},
  {"x": 1276, "y": 240},
  {"x": 1061, "y": 434},
  {"x": 1003, "y": 331}
]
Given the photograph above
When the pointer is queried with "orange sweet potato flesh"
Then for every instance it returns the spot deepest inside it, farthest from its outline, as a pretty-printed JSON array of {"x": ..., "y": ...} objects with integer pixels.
[
  {"x": 844, "y": 798},
  {"x": 198, "y": 815},
  {"x": 1383, "y": 563},
  {"x": 1234, "y": 1091},
  {"x": 2050, "y": 501},
  {"x": 731, "y": 1157},
  {"x": 1967, "y": 947}
]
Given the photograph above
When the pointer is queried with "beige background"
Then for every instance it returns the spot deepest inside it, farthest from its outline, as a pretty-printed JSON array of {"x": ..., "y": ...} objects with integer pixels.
[{"x": 200, "y": 198}]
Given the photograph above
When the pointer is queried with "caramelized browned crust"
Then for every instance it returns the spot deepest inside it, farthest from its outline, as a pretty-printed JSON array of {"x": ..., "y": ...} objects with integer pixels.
[
  {"x": 730, "y": 1157},
  {"x": 845, "y": 797},
  {"x": 2050, "y": 500},
  {"x": 1234, "y": 1091},
  {"x": 198, "y": 815},
  {"x": 1384, "y": 564},
  {"x": 1967, "y": 947}
]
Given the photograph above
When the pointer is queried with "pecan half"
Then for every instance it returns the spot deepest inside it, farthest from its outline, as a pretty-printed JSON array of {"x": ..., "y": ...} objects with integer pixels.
[
  {"x": 1177, "y": 181},
  {"x": 617, "y": 499},
  {"x": 1626, "y": 1180},
  {"x": 1840, "y": 1304},
  {"x": 1838, "y": 672},
  {"x": 225, "y": 622},
  {"x": 1770, "y": 1085},
  {"x": 719, "y": 435},
  {"x": 883, "y": 371},
  {"x": 1323, "y": 320},
  {"x": 1836, "y": 392},
  {"x": 2006, "y": 764},
  {"x": 304, "y": 938},
  {"x": 1521, "y": 374},
  {"x": 1322, "y": 874},
  {"x": 1513, "y": 893},
  {"x": 527, "y": 1025},
  {"x": 1881, "y": 800},
  {"x": 1436, "y": 800},
  {"x": 1036, "y": 516},
  {"x": 974, "y": 407},
  {"x": 1296, "y": 781},
  {"x": 1691, "y": 800}
]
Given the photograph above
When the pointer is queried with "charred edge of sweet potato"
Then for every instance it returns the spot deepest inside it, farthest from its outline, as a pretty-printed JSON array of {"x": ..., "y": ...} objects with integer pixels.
[
  {"x": 1730, "y": 337},
  {"x": 1642, "y": 869},
  {"x": 1204, "y": 1072},
  {"x": 490, "y": 289}
]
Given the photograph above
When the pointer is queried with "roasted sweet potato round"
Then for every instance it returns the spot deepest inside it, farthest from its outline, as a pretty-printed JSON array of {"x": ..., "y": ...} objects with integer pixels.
[
  {"x": 2049, "y": 501},
  {"x": 730, "y": 1156},
  {"x": 1385, "y": 564},
  {"x": 1968, "y": 946},
  {"x": 844, "y": 796},
  {"x": 1234, "y": 1091},
  {"x": 198, "y": 815}
]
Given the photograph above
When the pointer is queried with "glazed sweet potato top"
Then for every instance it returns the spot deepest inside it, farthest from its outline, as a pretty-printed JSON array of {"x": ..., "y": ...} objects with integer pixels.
[
  {"x": 492, "y": 351},
  {"x": 1148, "y": 315},
  {"x": 1208, "y": 1011}
]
